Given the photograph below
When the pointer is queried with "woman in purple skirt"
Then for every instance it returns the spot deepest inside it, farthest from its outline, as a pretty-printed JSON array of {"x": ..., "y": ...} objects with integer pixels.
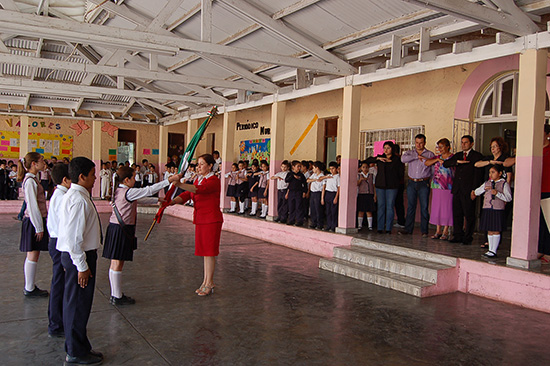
[{"x": 442, "y": 199}]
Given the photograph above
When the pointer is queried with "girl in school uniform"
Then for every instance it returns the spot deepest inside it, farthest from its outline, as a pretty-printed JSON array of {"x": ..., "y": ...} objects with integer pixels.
[
  {"x": 241, "y": 186},
  {"x": 263, "y": 184},
  {"x": 253, "y": 183},
  {"x": 232, "y": 186},
  {"x": 34, "y": 233},
  {"x": 316, "y": 189},
  {"x": 120, "y": 240},
  {"x": 497, "y": 192},
  {"x": 366, "y": 196}
]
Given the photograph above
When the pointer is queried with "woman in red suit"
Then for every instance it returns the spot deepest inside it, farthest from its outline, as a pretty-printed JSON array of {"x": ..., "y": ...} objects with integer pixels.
[{"x": 207, "y": 217}]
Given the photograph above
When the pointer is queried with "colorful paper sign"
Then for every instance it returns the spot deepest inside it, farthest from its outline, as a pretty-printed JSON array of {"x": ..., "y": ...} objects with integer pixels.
[
  {"x": 155, "y": 151},
  {"x": 255, "y": 149},
  {"x": 146, "y": 151},
  {"x": 112, "y": 152}
]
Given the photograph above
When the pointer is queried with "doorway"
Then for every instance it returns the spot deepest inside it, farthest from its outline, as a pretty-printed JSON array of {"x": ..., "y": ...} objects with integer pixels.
[
  {"x": 126, "y": 146},
  {"x": 210, "y": 143},
  {"x": 176, "y": 146},
  {"x": 330, "y": 138}
]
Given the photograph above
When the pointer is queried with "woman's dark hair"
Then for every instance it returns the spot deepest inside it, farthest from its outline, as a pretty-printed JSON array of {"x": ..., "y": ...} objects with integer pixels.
[
  {"x": 60, "y": 171},
  {"x": 208, "y": 158},
  {"x": 391, "y": 145},
  {"x": 445, "y": 142},
  {"x": 80, "y": 165},
  {"x": 501, "y": 143}
]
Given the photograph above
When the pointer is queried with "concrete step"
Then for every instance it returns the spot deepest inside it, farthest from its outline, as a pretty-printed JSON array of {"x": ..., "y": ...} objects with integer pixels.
[
  {"x": 378, "y": 277},
  {"x": 405, "y": 252},
  {"x": 403, "y": 265}
]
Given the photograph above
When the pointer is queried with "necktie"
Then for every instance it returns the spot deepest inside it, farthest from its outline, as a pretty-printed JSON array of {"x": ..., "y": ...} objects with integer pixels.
[{"x": 465, "y": 155}]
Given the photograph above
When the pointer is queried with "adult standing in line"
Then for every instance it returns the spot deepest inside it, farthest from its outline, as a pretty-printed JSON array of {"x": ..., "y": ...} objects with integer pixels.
[
  {"x": 467, "y": 179},
  {"x": 399, "y": 200},
  {"x": 390, "y": 172},
  {"x": 207, "y": 217},
  {"x": 441, "y": 213},
  {"x": 418, "y": 187}
]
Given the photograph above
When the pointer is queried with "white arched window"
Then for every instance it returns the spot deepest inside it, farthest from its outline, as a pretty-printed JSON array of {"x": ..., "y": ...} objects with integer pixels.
[{"x": 498, "y": 102}]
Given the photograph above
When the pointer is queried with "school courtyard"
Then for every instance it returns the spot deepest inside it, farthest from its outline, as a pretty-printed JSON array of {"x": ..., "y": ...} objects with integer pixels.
[{"x": 272, "y": 306}]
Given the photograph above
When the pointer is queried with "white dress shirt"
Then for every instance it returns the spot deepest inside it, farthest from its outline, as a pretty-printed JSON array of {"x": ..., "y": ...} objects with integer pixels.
[
  {"x": 281, "y": 184},
  {"x": 143, "y": 194},
  {"x": 55, "y": 210},
  {"x": 332, "y": 183},
  {"x": 31, "y": 193},
  {"x": 79, "y": 226},
  {"x": 316, "y": 186}
]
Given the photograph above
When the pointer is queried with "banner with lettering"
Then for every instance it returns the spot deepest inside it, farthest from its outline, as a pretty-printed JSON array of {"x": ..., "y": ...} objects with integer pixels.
[{"x": 60, "y": 146}]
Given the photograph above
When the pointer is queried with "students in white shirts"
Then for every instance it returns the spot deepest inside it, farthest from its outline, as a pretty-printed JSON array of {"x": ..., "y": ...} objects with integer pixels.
[
  {"x": 34, "y": 234},
  {"x": 60, "y": 177},
  {"x": 264, "y": 187},
  {"x": 104, "y": 176},
  {"x": 138, "y": 177},
  {"x": 316, "y": 190},
  {"x": 282, "y": 189},
  {"x": 330, "y": 195},
  {"x": 79, "y": 237},
  {"x": 218, "y": 165}
]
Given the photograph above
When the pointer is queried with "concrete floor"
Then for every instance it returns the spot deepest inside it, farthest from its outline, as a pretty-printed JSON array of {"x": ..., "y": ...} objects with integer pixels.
[{"x": 272, "y": 306}]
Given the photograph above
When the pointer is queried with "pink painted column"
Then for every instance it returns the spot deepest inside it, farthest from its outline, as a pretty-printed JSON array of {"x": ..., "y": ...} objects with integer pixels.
[
  {"x": 277, "y": 154},
  {"x": 227, "y": 155},
  {"x": 350, "y": 152},
  {"x": 531, "y": 106},
  {"x": 96, "y": 157}
]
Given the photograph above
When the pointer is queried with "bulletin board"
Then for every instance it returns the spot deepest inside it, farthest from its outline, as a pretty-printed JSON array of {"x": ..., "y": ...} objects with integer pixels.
[
  {"x": 60, "y": 146},
  {"x": 255, "y": 149}
]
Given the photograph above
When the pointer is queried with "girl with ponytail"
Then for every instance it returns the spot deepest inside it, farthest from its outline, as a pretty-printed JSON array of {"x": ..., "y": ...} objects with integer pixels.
[
  {"x": 34, "y": 234},
  {"x": 120, "y": 239}
]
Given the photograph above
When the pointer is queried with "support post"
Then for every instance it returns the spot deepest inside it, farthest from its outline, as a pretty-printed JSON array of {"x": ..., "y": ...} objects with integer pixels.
[
  {"x": 278, "y": 110},
  {"x": 531, "y": 106},
  {"x": 163, "y": 149},
  {"x": 23, "y": 136},
  {"x": 96, "y": 157},
  {"x": 350, "y": 152},
  {"x": 227, "y": 155}
]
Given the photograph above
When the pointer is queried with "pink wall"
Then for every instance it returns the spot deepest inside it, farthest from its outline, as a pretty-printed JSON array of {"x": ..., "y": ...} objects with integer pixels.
[
  {"x": 274, "y": 168},
  {"x": 96, "y": 190},
  {"x": 348, "y": 193}
]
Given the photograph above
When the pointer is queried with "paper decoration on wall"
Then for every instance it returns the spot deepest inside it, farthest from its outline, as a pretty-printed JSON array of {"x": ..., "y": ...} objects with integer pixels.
[
  {"x": 255, "y": 149},
  {"x": 9, "y": 122},
  {"x": 79, "y": 127},
  {"x": 146, "y": 151},
  {"x": 304, "y": 134},
  {"x": 60, "y": 146},
  {"x": 379, "y": 147},
  {"x": 109, "y": 128},
  {"x": 155, "y": 151}
]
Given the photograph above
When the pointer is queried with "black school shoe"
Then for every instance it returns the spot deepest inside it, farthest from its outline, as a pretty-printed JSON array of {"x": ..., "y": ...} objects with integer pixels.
[
  {"x": 36, "y": 292},
  {"x": 56, "y": 334},
  {"x": 124, "y": 300},
  {"x": 92, "y": 358}
]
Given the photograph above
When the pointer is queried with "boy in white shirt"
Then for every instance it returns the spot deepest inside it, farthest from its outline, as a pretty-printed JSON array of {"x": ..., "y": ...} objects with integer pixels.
[
  {"x": 282, "y": 190},
  {"x": 329, "y": 197},
  {"x": 78, "y": 239},
  {"x": 60, "y": 177}
]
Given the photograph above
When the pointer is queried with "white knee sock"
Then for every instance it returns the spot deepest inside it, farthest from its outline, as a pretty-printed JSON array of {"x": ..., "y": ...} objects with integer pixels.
[
  {"x": 359, "y": 222},
  {"x": 115, "y": 278},
  {"x": 30, "y": 274},
  {"x": 369, "y": 220},
  {"x": 254, "y": 208},
  {"x": 233, "y": 206},
  {"x": 241, "y": 207},
  {"x": 494, "y": 241},
  {"x": 264, "y": 210},
  {"x": 246, "y": 203}
]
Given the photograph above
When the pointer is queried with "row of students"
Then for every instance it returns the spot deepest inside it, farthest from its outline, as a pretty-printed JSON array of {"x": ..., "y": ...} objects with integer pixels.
[
  {"x": 72, "y": 234},
  {"x": 8, "y": 181},
  {"x": 248, "y": 184}
]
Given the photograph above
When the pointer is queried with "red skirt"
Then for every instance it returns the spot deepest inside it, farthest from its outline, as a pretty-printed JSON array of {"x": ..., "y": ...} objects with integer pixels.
[{"x": 207, "y": 239}]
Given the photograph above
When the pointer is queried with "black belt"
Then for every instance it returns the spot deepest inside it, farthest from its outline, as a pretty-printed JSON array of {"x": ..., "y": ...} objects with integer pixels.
[{"x": 420, "y": 180}]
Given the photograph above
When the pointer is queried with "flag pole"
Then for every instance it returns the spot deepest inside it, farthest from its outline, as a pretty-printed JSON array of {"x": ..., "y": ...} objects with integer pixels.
[{"x": 188, "y": 156}]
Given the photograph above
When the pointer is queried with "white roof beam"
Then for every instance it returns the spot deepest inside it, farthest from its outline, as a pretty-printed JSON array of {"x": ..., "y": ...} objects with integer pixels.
[
  {"x": 464, "y": 9},
  {"x": 158, "y": 106},
  {"x": 52, "y": 88},
  {"x": 128, "y": 106},
  {"x": 206, "y": 20},
  {"x": 9, "y": 5},
  {"x": 163, "y": 15},
  {"x": 287, "y": 34},
  {"x": 194, "y": 10}
]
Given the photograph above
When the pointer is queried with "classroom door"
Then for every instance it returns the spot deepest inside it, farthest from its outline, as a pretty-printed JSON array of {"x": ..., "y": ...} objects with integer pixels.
[
  {"x": 126, "y": 146},
  {"x": 331, "y": 134}
]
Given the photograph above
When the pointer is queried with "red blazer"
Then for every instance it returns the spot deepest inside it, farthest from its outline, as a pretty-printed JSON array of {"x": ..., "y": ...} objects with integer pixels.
[{"x": 206, "y": 201}]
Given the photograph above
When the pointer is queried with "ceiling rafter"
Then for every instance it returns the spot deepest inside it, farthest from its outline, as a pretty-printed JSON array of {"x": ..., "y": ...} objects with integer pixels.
[{"x": 484, "y": 15}]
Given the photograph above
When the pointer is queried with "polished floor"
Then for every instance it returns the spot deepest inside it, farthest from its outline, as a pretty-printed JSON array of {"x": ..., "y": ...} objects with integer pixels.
[{"x": 272, "y": 306}]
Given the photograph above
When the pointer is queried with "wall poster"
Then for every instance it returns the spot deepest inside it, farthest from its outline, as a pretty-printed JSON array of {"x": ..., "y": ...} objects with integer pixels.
[
  {"x": 255, "y": 149},
  {"x": 60, "y": 146}
]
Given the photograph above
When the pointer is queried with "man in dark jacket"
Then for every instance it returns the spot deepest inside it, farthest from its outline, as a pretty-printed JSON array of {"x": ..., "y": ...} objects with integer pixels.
[{"x": 467, "y": 178}]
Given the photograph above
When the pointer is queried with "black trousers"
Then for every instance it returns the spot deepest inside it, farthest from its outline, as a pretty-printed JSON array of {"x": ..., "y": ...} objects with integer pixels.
[
  {"x": 331, "y": 210},
  {"x": 282, "y": 205},
  {"x": 55, "y": 306},
  {"x": 316, "y": 209},
  {"x": 77, "y": 305},
  {"x": 463, "y": 208},
  {"x": 295, "y": 207}
]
